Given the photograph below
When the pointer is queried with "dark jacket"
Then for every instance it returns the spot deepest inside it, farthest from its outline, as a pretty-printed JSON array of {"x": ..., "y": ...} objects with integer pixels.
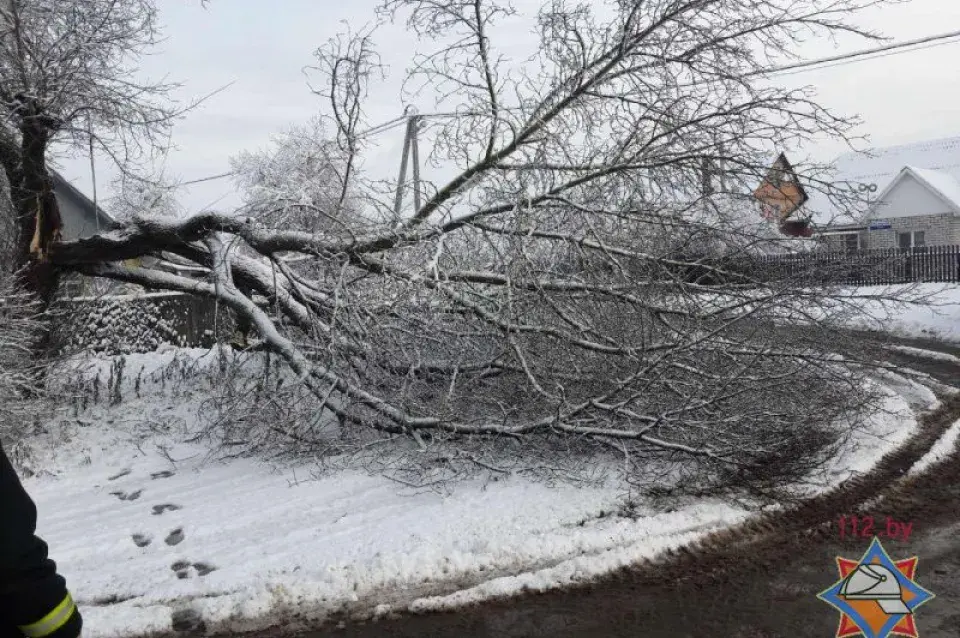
[{"x": 34, "y": 601}]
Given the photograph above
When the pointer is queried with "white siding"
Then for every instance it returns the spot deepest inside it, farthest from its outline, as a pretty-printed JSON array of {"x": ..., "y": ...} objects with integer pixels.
[{"x": 910, "y": 198}]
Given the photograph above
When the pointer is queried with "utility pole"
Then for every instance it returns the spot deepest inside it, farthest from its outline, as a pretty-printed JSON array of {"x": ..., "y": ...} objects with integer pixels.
[
  {"x": 415, "y": 149},
  {"x": 411, "y": 147}
]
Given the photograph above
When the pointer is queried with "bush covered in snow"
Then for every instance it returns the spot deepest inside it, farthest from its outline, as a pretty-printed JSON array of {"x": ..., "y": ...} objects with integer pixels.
[
  {"x": 21, "y": 398},
  {"x": 115, "y": 326}
]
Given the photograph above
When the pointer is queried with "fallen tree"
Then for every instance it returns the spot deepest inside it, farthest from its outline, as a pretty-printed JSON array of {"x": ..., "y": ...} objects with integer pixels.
[{"x": 533, "y": 298}]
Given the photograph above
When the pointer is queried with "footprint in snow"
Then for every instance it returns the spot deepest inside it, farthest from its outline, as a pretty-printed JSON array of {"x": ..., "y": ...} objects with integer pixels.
[
  {"x": 182, "y": 569},
  {"x": 175, "y": 537},
  {"x": 142, "y": 540},
  {"x": 120, "y": 474},
  {"x": 203, "y": 568},
  {"x": 127, "y": 496},
  {"x": 166, "y": 507},
  {"x": 188, "y": 621},
  {"x": 162, "y": 475}
]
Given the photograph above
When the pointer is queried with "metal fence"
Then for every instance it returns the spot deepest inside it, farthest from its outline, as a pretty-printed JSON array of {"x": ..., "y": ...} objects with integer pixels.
[{"x": 933, "y": 264}]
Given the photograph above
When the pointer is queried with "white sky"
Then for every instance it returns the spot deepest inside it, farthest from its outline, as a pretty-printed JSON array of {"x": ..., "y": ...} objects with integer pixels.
[{"x": 261, "y": 48}]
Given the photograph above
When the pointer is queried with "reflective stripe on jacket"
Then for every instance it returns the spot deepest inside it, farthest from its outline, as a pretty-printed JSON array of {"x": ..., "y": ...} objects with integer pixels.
[{"x": 52, "y": 622}]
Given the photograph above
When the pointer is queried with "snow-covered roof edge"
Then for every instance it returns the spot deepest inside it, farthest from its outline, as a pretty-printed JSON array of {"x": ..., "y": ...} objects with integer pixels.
[{"x": 941, "y": 184}]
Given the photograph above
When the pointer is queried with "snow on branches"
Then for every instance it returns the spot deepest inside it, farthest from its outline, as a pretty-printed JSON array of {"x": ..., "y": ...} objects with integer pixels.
[
  {"x": 538, "y": 297},
  {"x": 300, "y": 183}
]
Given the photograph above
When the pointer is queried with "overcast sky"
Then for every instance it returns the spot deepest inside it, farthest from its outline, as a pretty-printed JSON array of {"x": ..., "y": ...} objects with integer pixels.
[{"x": 262, "y": 47}]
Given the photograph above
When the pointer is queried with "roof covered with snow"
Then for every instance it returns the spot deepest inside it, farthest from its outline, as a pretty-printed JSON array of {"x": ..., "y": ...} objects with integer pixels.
[
  {"x": 936, "y": 162},
  {"x": 943, "y": 183}
]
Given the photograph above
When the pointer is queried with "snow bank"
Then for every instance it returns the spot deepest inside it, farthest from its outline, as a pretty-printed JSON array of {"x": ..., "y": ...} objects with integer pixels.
[
  {"x": 926, "y": 354},
  {"x": 938, "y": 317},
  {"x": 579, "y": 569},
  {"x": 920, "y": 310},
  {"x": 891, "y": 425},
  {"x": 944, "y": 446},
  {"x": 144, "y": 525},
  {"x": 149, "y": 366}
]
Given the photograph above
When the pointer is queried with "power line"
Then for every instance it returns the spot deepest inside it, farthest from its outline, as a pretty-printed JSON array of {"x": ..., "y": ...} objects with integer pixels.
[
  {"x": 788, "y": 69},
  {"x": 933, "y": 40},
  {"x": 207, "y": 179},
  {"x": 864, "y": 59},
  {"x": 809, "y": 65},
  {"x": 374, "y": 130},
  {"x": 385, "y": 126}
]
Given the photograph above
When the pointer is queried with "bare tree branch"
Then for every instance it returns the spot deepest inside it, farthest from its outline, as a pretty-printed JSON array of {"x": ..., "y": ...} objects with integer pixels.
[{"x": 572, "y": 287}]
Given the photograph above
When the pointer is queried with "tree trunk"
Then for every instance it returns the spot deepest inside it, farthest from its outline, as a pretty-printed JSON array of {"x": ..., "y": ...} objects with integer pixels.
[{"x": 38, "y": 216}]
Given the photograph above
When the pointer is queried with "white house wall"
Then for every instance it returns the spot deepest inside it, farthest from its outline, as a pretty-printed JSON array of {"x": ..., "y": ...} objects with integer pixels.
[{"x": 910, "y": 198}]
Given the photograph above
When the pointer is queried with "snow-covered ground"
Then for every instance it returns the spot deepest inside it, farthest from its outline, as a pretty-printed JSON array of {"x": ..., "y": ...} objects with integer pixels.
[
  {"x": 938, "y": 319},
  {"x": 916, "y": 310},
  {"x": 280, "y": 541},
  {"x": 144, "y": 525}
]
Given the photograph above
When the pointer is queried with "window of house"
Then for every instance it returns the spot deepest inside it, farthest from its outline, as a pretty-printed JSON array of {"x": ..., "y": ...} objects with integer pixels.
[
  {"x": 851, "y": 242},
  {"x": 915, "y": 239}
]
